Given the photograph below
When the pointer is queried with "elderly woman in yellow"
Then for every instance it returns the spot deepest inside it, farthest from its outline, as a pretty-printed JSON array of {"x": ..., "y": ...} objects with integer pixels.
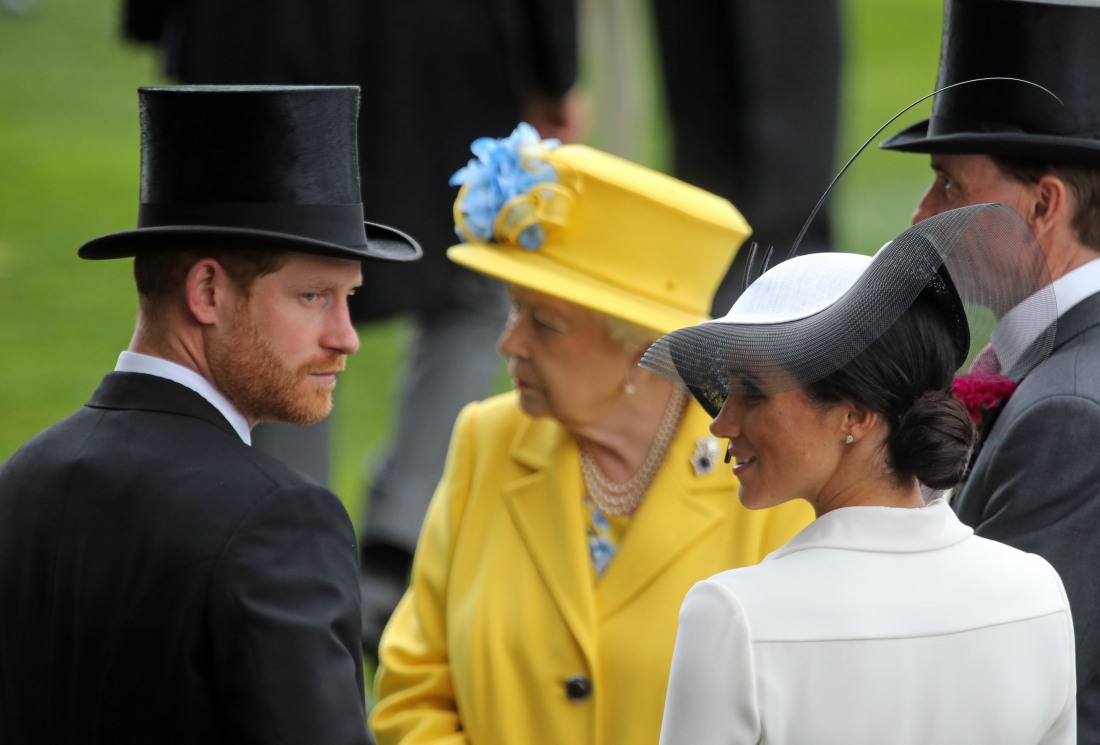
[{"x": 575, "y": 512}]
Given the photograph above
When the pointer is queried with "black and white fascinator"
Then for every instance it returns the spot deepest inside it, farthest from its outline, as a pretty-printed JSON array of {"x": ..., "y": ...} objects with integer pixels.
[{"x": 810, "y": 315}]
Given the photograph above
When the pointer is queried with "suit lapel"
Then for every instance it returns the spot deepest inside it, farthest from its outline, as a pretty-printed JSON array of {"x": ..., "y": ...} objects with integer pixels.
[
  {"x": 546, "y": 507},
  {"x": 988, "y": 420},
  {"x": 1077, "y": 320},
  {"x": 1074, "y": 322},
  {"x": 678, "y": 509}
]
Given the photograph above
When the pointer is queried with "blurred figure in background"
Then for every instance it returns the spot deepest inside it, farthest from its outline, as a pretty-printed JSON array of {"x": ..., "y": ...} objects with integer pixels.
[
  {"x": 752, "y": 89},
  {"x": 17, "y": 7},
  {"x": 446, "y": 72},
  {"x": 435, "y": 74}
]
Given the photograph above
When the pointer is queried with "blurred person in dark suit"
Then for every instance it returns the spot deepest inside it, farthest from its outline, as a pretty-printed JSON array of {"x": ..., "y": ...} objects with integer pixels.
[
  {"x": 444, "y": 73},
  {"x": 161, "y": 580},
  {"x": 447, "y": 72},
  {"x": 752, "y": 88}
]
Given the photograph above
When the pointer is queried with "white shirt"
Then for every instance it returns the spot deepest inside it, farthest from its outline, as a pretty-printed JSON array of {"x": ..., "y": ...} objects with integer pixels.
[
  {"x": 877, "y": 625},
  {"x": 134, "y": 362},
  {"x": 1017, "y": 330}
]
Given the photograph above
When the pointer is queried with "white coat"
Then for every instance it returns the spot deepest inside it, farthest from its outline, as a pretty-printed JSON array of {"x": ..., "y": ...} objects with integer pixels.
[{"x": 876, "y": 625}]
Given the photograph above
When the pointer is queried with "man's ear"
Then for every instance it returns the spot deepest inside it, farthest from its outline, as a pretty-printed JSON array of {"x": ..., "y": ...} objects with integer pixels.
[
  {"x": 208, "y": 289},
  {"x": 1052, "y": 205}
]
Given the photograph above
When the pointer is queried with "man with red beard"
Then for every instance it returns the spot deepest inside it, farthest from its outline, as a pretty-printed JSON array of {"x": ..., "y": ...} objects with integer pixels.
[{"x": 161, "y": 581}]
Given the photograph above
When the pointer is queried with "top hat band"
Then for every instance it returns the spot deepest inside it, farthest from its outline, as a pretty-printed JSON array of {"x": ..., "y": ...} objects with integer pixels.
[{"x": 340, "y": 224}]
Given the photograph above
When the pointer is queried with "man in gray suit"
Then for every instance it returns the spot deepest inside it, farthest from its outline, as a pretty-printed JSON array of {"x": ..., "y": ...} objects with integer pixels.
[
  {"x": 1035, "y": 482},
  {"x": 161, "y": 581}
]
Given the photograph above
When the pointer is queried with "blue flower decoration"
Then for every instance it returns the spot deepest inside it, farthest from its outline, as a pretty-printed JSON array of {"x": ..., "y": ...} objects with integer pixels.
[{"x": 502, "y": 188}]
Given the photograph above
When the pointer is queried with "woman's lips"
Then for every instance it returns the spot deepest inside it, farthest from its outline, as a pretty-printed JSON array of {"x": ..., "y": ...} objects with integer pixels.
[{"x": 742, "y": 463}]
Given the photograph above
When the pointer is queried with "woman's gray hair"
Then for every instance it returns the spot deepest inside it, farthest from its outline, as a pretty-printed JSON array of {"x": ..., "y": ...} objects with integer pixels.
[{"x": 630, "y": 336}]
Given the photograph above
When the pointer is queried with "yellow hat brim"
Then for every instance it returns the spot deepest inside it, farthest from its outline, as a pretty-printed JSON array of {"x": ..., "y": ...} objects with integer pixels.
[
  {"x": 534, "y": 271},
  {"x": 631, "y": 242}
]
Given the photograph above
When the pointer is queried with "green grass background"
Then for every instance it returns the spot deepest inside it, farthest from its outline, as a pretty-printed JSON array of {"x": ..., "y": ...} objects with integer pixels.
[{"x": 69, "y": 172}]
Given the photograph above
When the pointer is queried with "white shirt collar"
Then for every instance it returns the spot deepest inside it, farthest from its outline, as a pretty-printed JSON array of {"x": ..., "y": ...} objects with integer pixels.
[
  {"x": 134, "y": 362},
  {"x": 1016, "y": 331}
]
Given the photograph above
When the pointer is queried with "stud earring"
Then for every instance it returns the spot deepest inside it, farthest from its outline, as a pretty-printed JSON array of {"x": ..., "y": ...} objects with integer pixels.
[
  {"x": 849, "y": 440},
  {"x": 629, "y": 389}
]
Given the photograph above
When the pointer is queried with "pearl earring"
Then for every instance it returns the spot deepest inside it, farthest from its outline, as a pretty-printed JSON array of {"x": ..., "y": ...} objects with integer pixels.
[
  {"x": 849, "y": 440},
  {"x": 629, "y": 389}
]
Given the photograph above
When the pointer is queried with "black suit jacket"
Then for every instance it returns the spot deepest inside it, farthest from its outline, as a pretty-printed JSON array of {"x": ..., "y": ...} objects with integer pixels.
[
  {"x": 162, "y": 582},
  {"x": 1035, "y": 484}
]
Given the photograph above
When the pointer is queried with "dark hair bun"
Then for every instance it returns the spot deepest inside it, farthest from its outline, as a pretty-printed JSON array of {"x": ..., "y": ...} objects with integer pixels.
[{"x": 932, "y": 440}]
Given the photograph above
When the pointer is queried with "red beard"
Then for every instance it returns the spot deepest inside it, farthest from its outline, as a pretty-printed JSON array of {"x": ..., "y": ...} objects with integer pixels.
[{"x": 258, "y": 382}]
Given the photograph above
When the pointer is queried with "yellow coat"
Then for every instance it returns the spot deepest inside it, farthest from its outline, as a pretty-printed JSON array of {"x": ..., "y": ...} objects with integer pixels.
[{"x": 504, "y": 616}]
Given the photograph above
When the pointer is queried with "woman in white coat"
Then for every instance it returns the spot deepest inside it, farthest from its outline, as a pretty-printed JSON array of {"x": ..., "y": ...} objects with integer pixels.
[{"x": 885, "y": 620}]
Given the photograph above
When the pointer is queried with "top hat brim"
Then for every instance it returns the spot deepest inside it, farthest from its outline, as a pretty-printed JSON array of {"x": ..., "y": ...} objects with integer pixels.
[
  {"x": 1052, "y": 148},
  {"x": 383, "y": 242}
]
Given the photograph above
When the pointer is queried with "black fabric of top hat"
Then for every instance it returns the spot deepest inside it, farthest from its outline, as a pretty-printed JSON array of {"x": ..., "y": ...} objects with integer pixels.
[
  {"x": 1055, "y": 43},
  {"x": 260, "y": 166}
]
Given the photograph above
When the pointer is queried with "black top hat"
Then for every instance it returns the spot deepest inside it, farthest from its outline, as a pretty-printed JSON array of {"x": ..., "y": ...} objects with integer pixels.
[
  {"x": 271, "y": 166},
  {"x": 1055, "y": 43}
]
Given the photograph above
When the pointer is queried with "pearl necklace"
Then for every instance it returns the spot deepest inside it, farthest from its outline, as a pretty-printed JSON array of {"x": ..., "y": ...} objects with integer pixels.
[{"x": 624, "y": 499}]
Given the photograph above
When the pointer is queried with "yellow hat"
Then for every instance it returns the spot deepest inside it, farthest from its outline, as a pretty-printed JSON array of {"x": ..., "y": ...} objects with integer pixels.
[{"x": 614, "y": 236}]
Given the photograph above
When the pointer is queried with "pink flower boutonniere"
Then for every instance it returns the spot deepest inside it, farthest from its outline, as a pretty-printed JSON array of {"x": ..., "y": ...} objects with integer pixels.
[{"x": 982, "y": 392}]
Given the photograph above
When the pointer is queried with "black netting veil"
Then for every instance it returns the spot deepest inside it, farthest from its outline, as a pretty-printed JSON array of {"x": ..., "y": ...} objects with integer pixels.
[{"x": 977, "y": 263}]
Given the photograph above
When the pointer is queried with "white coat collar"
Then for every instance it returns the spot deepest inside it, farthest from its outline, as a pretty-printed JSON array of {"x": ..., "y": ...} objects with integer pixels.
[{"x": 880, "y": 529}]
